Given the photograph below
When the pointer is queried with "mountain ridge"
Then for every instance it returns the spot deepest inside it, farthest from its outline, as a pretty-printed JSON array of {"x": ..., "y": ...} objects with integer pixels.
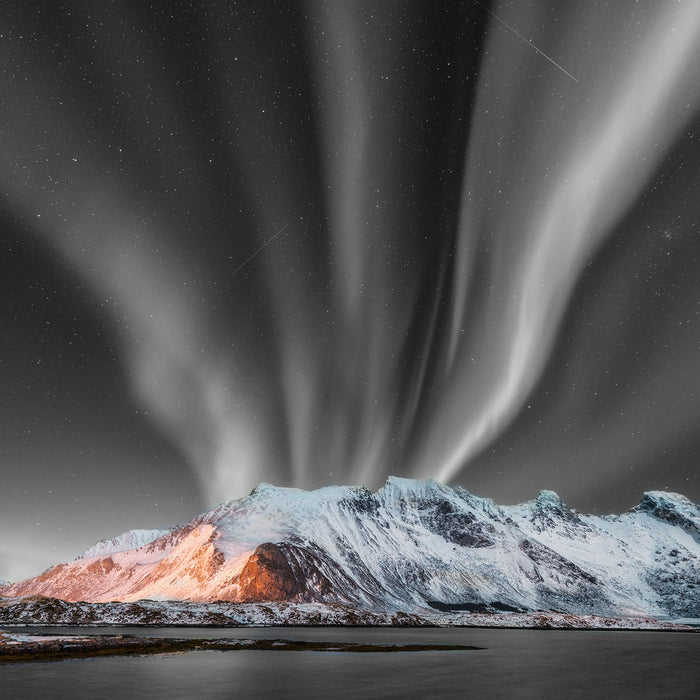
[{"x": 411, "y": 545}]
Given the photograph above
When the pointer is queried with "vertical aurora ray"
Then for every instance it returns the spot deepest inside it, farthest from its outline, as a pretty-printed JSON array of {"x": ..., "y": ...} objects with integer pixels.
[{"x": 600, "y": 159}]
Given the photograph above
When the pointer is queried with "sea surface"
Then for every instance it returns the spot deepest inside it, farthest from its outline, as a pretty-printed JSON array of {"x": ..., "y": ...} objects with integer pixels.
[{"x": 513, "y": 664}]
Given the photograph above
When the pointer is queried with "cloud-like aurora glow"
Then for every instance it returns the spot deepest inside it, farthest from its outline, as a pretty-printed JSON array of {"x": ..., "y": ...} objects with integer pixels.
[{"x": 444, "y": 189}]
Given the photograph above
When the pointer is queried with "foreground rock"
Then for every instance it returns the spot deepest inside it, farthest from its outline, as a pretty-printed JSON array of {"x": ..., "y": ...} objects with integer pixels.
[{"x": 411, "y": 545}]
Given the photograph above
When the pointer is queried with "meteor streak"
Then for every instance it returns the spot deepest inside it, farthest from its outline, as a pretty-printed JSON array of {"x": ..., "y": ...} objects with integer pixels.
[
  {"x": 520, "y": 36},
  {"x": 250, "y": 257}
]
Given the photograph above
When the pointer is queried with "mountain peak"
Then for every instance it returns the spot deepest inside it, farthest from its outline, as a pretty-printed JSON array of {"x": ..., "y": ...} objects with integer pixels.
[
  {"x": 672, "y": 508},
  {"x": 264, "y": 488},
  {"x": 405, "y": 483},
  {"x": 549, "y": 511},
  {"x": 547, "y": 497},
  {"x": 402, "y": 483},
  {"x": 652, "y": 499}
]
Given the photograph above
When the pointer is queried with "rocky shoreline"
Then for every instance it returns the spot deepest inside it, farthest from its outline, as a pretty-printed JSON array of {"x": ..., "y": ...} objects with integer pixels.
[{"x": 17, "y": 648}]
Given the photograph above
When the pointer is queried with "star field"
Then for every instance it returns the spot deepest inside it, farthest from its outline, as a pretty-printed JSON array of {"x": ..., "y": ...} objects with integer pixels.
[{"x": 325, "y": 242}]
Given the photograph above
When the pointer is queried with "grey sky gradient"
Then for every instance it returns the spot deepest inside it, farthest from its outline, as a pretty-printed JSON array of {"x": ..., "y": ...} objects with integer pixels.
[{"x": 325, "y": 242}]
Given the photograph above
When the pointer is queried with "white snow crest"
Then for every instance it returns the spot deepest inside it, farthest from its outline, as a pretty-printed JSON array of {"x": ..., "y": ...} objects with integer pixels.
[{"x": 132, "y": 539}]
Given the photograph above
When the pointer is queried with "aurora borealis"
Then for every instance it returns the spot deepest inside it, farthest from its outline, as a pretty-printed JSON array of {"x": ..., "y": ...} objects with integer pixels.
[{"x": 325, "y": 242}]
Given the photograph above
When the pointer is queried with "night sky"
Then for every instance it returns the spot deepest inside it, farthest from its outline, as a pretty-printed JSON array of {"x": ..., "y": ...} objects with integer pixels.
[{"x": 320, "y": 242}]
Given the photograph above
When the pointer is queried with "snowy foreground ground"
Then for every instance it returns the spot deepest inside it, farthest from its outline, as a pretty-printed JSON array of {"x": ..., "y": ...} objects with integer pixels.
[{"x": 35, "y": 610}]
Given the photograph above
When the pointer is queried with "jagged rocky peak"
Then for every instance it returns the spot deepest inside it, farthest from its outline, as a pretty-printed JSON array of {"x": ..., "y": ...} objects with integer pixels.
[
  {"x": 653, "y": 501},
  {"x": 549, "y": 502},
  {"x": 549, "y": 511},
  {"x": 672, "y": 508},
  {"x": 548, "y": 505},
  {"x": 547, "y": 498}
]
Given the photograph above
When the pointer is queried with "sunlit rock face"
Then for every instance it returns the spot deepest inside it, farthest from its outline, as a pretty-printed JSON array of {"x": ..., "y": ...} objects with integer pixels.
[
  {"x": 411, "y": 545},
  {"x": 290, "y": 572},
  {"x": 267, "y": 575}
]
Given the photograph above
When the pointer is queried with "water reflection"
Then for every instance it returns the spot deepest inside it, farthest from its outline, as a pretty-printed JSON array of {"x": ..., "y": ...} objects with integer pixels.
[{"x": 515, "y": 663}]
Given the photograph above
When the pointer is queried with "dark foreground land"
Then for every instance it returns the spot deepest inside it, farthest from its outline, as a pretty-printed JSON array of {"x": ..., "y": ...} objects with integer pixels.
[{"x": 20, "y": 648}]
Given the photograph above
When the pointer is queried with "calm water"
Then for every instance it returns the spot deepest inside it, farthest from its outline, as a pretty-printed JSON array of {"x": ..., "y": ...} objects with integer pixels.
[{"x": 515, "y": 664}]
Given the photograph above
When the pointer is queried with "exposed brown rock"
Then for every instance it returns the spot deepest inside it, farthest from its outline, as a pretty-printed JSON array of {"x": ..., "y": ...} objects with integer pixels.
[
  {"x": 291, "y": 572},
  {"x": 101, "y": 566},
  {"x": 268, "y": 576},
  {"x": 47, "y": 575}
]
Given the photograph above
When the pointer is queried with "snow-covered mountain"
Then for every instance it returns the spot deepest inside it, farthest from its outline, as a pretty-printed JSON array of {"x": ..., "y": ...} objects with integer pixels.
[
  {"x": 409, "y": 546},
  {"x": 131, "y": 539}
]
